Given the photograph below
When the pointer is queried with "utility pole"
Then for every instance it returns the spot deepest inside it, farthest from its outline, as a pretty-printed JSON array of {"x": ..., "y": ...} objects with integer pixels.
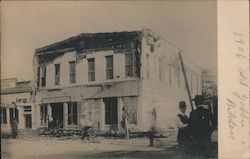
[{"x": 186, "y": 80}]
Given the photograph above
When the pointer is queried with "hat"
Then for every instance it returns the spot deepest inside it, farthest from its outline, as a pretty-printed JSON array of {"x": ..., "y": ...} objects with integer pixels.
[
  {"x": 199, "y": 98},
  {"x": 182, "y": 104}
]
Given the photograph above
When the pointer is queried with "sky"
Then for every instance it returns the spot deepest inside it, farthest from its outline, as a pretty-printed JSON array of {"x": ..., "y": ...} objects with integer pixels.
[{"x": 27, "y": 25}]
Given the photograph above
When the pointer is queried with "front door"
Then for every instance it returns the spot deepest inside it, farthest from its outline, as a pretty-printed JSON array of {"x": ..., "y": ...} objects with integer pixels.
[
  {"x": 28, "y": 121},
  {"x": 57, "y": 114},
  {"x": 111, "y": 114}
]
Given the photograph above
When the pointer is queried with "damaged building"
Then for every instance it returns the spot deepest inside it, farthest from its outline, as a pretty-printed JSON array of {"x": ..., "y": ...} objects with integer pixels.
[
  {"x": 88, "y": 80},
  {"x": 16, "y": 104}
]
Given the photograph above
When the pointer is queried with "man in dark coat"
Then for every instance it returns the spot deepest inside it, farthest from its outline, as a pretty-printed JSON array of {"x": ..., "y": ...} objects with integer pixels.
[
  {"x": 183, "y": 136},
  {"x": 200, "y": 125}
]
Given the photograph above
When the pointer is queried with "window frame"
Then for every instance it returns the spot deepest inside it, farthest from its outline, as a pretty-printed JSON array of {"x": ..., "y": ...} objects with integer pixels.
[
  {"x": 129, "y": 66},
  {"x": 109, "y": 69},
  {"x": 91, "y": 72},
  {"x": 72, "y": 113},
  {"x": 43, "y": 76},
  {"x": 57, "y": 74},
  {"x": 72, "y": 74},
  {"x": 3, "y": 115}
]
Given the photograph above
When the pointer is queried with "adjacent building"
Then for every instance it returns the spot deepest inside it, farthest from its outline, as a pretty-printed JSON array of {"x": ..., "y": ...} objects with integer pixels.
[
  {"x": 16, "y": 103},
  {"x": 90, "y": 79}
]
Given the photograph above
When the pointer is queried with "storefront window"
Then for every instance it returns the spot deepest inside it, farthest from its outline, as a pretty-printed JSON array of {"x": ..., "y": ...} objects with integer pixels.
[
  {"x": 3, "y": 117},
  {"x": 72, "y": 112}
]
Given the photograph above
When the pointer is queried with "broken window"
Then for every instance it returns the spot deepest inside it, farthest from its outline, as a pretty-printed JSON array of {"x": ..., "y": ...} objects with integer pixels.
[
  {"x": 57, "y": 74},
  {"x": 91, "y": 69},
  {"x": 13, "y": 115},
  {"x": 72, "y": 72},
  {"x": 130, "y": 103},
  {"x": 129, "y": 65},
  {"x": 109, "y": 67},
  {"x": 72, "y": 113},
  {"x": 3, "y": 117},
  {"x": 43, "y": 76},
  {"x": 43, "y": 114}
]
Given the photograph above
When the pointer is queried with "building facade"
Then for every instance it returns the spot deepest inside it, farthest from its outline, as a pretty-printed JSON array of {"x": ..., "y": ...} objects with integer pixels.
[
  {"x": 90, "y": 79},
  {"x": 16, "y": 103}
]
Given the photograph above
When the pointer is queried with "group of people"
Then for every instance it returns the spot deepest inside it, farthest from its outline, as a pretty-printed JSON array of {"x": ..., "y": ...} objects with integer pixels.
[{"x": 194, "y": 132}]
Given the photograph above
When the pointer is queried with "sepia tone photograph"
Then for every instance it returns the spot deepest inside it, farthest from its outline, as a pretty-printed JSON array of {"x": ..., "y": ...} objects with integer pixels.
[{"x": 109, "y": 80}]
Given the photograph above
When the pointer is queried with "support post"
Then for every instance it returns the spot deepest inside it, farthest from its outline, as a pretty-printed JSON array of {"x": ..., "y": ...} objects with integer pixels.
[{"x": 186, "y": 80}]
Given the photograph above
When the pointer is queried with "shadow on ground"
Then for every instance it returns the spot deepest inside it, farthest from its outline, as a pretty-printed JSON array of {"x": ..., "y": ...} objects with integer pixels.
[{"x": 168, "y": 153}]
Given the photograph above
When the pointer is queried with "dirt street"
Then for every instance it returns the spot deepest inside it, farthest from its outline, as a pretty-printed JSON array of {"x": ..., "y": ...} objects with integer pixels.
[{"x": 54, "y": 148}]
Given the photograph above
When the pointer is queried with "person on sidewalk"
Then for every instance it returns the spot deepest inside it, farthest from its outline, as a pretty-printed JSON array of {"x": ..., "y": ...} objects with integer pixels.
[
  {"x": 183, "y": 136},
  {"x": 152, "y": 130},
  {"x": 125, "y": 122},
  {"x": 200, "y": 126}
]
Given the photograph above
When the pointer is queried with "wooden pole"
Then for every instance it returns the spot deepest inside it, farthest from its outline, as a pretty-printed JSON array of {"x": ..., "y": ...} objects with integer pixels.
[{"x": 186, "y": 81}]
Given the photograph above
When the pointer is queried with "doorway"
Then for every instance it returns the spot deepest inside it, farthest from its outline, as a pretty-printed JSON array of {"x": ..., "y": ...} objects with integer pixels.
[
  {"x": 57, "y": 114},
  {"x": 111, "y": 113},
  {"x": 28, "y": 121}
]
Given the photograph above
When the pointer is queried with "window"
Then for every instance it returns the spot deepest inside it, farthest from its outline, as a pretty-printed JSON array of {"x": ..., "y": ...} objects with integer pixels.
[
  {"x": 43, "y": 76},
  {"x": 13, "y": 115},
  {"x": 3, "y": 117},
  {"x": 129, "y": 65},
  {"x": 91, "y": 69},
  {"x": 38, "y": 77},
  {"x": 111, "y": 116},
  {"x": 109, "y": 67},
  {"x": 72, "y": 72},
  {"x": 27, "y": 108},
  {"x": 57, "y": 74},
  {"x": 43, "y": 114},
  {"x": 72, "y": 113}
]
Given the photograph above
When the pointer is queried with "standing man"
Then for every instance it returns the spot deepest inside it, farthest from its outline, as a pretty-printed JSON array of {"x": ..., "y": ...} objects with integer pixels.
[
  {"x": 200, "y": 125},
  {"x": 152, "y": 130},
  {"x": 125, "y": 122},
  {"x": 183, "y": 136}
]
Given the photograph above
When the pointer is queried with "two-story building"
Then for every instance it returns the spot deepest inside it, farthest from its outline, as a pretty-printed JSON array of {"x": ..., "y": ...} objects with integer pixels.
[
  {"x": 16, "y": 103},
  {"x": 90, "y": 78}
]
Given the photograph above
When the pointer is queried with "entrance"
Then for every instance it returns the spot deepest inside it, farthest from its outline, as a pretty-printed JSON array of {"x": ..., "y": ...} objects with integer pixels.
[
  {"x": 28, "y": 121},
  {"x": 111, "y": 114},
  {"x": 57, "y": 114}
]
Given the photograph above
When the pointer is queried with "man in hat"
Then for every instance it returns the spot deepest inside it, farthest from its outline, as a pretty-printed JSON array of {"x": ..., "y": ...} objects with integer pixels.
[
  {"x": 183, "y": 136},
  {"x": 200, "y": 125}
]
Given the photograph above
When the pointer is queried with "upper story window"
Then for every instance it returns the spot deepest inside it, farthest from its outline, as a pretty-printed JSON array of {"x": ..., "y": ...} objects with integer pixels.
[
  {"x": 129, "y": 65},
  {"x": 91, "y": 69},
  {"x": 109, "y": 67},
  {"x": 72, "y": 72},
  {"x": 57, "y": 74},
  {"x": 38, "y": 77},
  {"x": 43, "y": 76}
]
